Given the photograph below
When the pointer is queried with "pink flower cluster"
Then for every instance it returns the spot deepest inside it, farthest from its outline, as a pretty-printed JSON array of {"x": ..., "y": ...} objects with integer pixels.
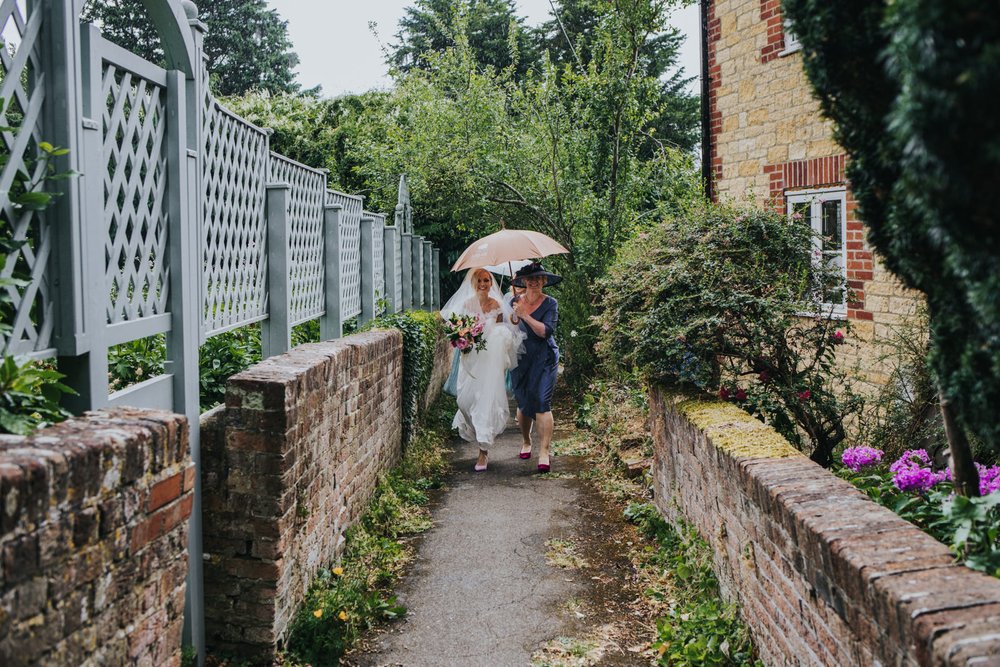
[
  {"x": 856, "y": 458},
  {"x": 912, "y": 472},
  {"x": 725, "y": 393}
]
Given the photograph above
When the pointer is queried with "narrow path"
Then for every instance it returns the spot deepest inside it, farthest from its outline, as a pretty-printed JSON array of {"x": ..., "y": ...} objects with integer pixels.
[{"x": 515, "y": 560}]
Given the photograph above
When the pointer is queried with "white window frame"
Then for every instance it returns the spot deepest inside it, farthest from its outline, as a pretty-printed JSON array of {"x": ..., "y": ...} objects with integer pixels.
[
  {"x": 815, "y": 198},
  {"x": 792, "y": 43}
]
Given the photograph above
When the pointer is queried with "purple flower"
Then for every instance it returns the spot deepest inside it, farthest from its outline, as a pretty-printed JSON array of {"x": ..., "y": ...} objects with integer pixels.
[
  {"x": 989, "y": 479},
  {"x": 724, "y": 393},
  {"x": 741, "y": 395},
  {"x": 915, "y": 479},
  {"x": 911, "y": 458},
  {"x": 857, "y": 458}
]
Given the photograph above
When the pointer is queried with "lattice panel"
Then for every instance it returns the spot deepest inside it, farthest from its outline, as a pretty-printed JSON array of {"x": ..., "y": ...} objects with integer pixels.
[
  {"x": 378, "y": 252},
  {"x": 350, "y": 251},
  {"x": 25, "y": 238},
  {"x": 235, "y": 228},
  {"x": 134, "y": 122},
  {"x": 305, "y": 235}
]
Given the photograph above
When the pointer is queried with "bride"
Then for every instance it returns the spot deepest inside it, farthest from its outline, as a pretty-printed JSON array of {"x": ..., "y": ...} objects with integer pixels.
[{"x": 481, "y": 394}]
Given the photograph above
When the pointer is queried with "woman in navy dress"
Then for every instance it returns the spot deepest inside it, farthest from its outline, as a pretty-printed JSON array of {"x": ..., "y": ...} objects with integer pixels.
[{"x": 534, "y": 378}]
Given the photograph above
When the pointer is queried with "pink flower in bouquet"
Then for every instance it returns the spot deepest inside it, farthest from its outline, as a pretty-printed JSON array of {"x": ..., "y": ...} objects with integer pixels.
[
  {"x": 462, "y": 343},
  {"x": 478, "y": 329}
]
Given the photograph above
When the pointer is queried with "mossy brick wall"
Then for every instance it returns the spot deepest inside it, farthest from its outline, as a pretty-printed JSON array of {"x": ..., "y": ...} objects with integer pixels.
[
  {"x": 823, "y": 575},
  {"x": 768, "y": 140},
  {"x": 93, "y": 542},
  {"x": 290, "y": 461},
  {"x": 443, "y": 356}
]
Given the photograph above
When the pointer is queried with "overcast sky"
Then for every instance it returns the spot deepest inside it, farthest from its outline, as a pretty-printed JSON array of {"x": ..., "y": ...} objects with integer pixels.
[{"x": 338, "y": 51}]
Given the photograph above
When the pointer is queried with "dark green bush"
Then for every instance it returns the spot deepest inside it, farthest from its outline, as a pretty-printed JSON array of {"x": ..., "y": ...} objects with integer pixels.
[
  {"x": 29, "y": 395},
  {"x": 714, "y": 300}
]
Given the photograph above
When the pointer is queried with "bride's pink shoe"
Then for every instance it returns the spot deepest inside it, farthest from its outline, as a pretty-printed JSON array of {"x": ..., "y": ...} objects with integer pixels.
[{"x": 481, "y": 467}]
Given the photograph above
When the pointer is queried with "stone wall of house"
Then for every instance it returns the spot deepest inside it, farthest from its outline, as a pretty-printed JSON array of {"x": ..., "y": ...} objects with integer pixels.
[
  {"x": 768, "y": 140},
  {"x": 822, "y": 574},
  {"x": 93, "y": 540},
  {"x": 290, "y": 461}
]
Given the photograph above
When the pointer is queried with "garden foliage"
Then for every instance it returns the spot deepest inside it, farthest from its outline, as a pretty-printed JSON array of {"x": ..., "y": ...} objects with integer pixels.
[
  {"x": 699, "y": 628},
  {"x": 910, "y": 86},
  {"x": 912, "y": 487},
  {"x": 713, "y": 299}
]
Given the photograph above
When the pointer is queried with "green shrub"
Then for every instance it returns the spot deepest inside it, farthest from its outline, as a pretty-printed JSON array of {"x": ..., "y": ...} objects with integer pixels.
[
  {"x": 222, "y": 357},
  {"x": 29, "y": 395},
  {"x": 420, "y": 330},
  {"x": 714, "y": 299}
]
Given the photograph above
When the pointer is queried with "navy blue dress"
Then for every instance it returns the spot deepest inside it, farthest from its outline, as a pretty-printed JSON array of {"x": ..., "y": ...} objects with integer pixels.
[{"x": 534, "y": 378}]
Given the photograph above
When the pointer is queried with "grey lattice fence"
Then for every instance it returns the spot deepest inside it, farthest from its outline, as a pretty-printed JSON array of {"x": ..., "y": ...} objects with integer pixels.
[
  {"x": 25, "y": 235},
  {"x": 181, "y": 220}
]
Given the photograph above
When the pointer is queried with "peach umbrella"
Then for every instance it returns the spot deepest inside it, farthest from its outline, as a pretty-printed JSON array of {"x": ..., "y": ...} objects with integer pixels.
[{"x": 507, "y": 245}]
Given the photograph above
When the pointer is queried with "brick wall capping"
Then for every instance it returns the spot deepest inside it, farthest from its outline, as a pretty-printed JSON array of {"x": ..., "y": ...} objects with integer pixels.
[{"x": 853, "y": 569}]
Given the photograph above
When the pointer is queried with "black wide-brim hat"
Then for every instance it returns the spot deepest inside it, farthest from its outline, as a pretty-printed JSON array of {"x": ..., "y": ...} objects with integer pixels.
[{"x": 532, "y": 270}]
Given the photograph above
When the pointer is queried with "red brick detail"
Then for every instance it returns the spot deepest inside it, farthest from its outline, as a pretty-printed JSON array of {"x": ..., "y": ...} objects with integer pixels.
[
  {"x": 189, "y": 476},
  {"x": 770, "y": 13},
  {"x": 822, "y": 172},
  {"x": 161, "y": 522},
  {"x": 714, "y": 83},
  {"x": 164, "y": 491}
]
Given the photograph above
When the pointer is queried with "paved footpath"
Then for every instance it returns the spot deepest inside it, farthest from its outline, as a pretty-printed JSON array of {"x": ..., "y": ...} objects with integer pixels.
[{"x": 480, "y": 591}]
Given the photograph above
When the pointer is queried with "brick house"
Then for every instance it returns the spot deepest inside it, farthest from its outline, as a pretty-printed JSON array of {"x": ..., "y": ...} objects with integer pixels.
[{"x": 764, "y": 137}]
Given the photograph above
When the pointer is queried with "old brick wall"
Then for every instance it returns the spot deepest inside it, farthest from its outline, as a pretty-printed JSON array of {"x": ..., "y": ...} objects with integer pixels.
[
  {"x": 93, "y": 546},
  {"x": 769, "y": 140},
  {"x": 823, "y": 575},
  {"x": 290, "y": 461}
]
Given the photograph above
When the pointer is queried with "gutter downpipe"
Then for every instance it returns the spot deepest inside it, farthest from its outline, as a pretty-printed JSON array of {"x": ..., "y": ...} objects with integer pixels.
[{"x": 706, "y": 120}]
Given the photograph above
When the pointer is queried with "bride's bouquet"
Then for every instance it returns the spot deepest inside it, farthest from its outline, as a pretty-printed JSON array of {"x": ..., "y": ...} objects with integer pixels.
[{"x": 465, "y": 332}]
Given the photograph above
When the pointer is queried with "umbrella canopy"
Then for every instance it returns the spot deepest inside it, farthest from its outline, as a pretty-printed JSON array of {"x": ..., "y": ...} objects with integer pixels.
[
  {"x": 506, "y": 246},
  {"x": 508, "y": 268}
]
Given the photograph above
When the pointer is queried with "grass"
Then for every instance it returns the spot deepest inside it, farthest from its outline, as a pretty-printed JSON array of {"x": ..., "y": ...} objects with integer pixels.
[{"x": 563, "y": 554}]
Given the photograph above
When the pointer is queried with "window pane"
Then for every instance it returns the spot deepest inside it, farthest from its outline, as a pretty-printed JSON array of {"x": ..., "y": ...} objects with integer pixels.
[
  {"x": 832, "y": 232},
  {"x": 833, "y": 292},
  {"x": 801, "y": 213}
]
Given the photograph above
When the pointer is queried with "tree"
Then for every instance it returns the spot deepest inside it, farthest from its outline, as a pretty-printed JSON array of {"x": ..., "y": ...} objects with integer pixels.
[
  {"x": 910, "y": 87},
  {"x": 572, "y": 153},
  {"x": 247, "y": 44},
  {"x": 496, "y": 34},
  {"x": 576, "y": 37}
]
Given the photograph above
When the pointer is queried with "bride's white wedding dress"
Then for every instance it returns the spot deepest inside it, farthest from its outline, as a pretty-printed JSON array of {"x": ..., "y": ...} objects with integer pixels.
[
  {"x": 483, "y": 411},
  {"x": 481, "y": 390}
]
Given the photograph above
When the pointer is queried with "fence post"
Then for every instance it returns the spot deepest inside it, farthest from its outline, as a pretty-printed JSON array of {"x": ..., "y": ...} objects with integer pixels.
[
  {"x": 185, "y": 307},
  {"x": 86, "y": 357},
  {"x": 406, "y": 248},
  {"x": 436, "y": 265},
  {"x": 62, "y": 126},
  {"x": 276, "y": 330},
  {"x": 331, "y": 324},
  {"x": 428, "y": 275},
  {"x": 367, "y": 271},
  {"x": 390, "y": 245},
  {"x": 417, "y": 258}
]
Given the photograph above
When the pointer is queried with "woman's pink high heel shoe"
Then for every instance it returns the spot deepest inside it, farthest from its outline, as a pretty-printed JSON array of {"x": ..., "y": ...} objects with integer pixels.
[{"x": 524, "y": 454}]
